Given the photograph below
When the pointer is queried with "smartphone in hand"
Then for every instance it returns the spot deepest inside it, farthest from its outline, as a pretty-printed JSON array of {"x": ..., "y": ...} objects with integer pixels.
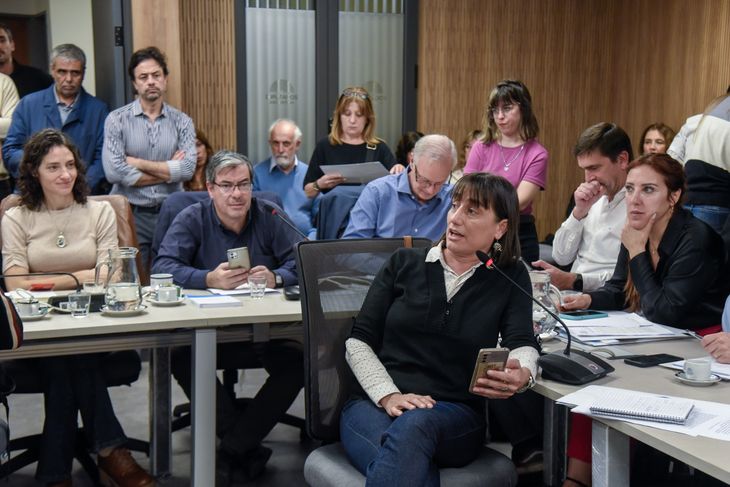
[
  {"x": 488, "y": 359},
  {"x": 238, "y": 258}
]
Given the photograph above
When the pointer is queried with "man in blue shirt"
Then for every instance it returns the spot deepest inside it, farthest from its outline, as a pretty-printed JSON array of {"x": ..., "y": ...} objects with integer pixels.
[
  {"x": 414, "y": 202},
  {"x": 194, "y": 252},
  {"x": 283, "y": 173},
  {"x": 66, "y": 106}
]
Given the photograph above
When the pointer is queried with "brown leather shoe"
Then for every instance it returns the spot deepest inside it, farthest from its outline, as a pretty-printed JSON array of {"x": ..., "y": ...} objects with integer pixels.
[
  {"x": 63, "y": 483},
  {"x": 120, "y": 470}
]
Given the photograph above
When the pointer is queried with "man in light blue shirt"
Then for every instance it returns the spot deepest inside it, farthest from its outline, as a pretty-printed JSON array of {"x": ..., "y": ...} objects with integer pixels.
[
  {"x": 283, "y": 173},
  {"x": 414, "y": 202}
]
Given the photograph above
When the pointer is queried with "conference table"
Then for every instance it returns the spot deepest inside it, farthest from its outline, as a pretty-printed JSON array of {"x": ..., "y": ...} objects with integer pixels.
[
  {"x": 159, "y": 328},
  {"x": 611, "y": 437}
]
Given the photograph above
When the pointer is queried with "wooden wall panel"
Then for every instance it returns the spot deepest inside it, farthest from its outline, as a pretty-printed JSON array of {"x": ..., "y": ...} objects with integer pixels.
[
  {"x": 197, "y": 37},
  {"x": 207, "y": 54},
  {"x": 157, "y": 23},
  {"x": 632, "y": 62}
]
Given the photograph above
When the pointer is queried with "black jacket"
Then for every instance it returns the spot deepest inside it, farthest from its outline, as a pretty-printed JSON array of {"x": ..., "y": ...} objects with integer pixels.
[{"x": 690, "y": 284}]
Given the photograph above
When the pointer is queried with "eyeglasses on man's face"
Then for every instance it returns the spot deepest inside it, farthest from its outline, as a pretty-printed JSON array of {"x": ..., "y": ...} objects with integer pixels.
[
  {"x": 424, "y": 182},
  {"x": 227, "y": 188}
]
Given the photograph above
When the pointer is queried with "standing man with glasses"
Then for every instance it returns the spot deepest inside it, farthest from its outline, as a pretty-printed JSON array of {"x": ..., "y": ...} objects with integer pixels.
[
  {"x": 194, "y": 252},
  {"x": 149, "y": 146},
  {"x": 414, "y": 202}
]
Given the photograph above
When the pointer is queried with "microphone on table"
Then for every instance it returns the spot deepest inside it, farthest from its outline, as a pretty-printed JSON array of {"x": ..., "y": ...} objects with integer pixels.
[
  {"x": 291, "y": 293},
  {"x": 45, "y": 274},
  {"x": 568, "y": 366}
]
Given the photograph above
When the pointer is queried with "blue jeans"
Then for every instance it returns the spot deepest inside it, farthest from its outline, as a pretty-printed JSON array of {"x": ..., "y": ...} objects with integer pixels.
[
  {"x": 410, "y": 449},
  {"x": 714, "y": 216}
]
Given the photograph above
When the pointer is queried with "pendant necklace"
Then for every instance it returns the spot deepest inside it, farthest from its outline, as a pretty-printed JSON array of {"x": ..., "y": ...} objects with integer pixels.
[
  {"x": 61, "y": 238},
  {"x": 507, "y": 163}
]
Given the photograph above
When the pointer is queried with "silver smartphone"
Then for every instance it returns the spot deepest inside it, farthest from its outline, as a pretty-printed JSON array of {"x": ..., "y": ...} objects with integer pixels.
[
  {"x": 238, "y": 258},
  {"x": 488, "y": 359}
]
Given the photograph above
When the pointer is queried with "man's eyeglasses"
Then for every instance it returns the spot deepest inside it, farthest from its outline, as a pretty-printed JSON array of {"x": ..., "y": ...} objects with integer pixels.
[
  {"x": 505, "y": 109},
  {"x": 227, "y": 188},
  {"x": 359, "y": 94},
  {"x": 423, "y": 182}
]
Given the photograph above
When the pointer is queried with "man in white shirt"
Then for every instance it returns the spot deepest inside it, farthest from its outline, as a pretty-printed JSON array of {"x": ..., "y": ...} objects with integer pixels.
[{"x": 591, "y": 236}]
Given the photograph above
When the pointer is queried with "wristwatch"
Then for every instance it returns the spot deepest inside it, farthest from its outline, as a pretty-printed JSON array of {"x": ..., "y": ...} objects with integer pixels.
[
  {"x": 530, "y": 384},
  {"x": 316, "y": 186},
  {"x": 578, "y": 283},
  {"x": 278, "y": 280}
]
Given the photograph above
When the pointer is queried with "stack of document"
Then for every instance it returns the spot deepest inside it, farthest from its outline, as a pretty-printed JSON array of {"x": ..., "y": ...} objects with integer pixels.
[
  {"x": 243, "y": 289},
  {"x": 705, "y": 418},
  {"x": 619, "y": 328},
  {"x": 214, "y": 301}
]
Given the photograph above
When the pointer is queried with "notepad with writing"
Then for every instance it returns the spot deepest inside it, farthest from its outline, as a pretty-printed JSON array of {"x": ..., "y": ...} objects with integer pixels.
[
  {"x": 214, "y": 301},
  {"x": 627, "y": 405}
]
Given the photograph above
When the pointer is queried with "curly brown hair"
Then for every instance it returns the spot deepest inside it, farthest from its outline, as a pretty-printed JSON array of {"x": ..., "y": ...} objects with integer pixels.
[{"x": 39, "y": 145}]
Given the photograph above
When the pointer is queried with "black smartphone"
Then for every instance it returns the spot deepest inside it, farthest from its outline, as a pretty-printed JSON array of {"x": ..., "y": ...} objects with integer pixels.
[{"x": 651, "y": 360}]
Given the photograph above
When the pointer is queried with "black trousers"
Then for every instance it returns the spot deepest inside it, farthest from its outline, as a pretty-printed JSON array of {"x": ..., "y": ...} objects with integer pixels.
[
  {"x": 529, "y": 246},
  {"x": 243, "y": 430},
  {"x": 519, "y": 418}
]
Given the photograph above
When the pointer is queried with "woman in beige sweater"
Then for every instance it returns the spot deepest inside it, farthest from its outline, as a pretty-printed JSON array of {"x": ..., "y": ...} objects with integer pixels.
[{"x": 56, "y": 228}]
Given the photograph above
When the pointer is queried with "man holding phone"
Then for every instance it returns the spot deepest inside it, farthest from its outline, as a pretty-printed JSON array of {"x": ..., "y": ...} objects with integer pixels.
[{"x": 195, "y": 251}]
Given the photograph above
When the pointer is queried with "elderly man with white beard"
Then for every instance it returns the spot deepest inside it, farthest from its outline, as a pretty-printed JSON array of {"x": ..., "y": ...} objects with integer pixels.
[{"x": 283, "y": 173}]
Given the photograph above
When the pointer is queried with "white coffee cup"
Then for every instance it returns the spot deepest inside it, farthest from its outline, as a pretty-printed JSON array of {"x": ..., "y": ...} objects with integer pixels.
[
  {"x": 698, "y": 369},
  {"x": 160, "y": 280},
  {"x": 168, "y": 294}
]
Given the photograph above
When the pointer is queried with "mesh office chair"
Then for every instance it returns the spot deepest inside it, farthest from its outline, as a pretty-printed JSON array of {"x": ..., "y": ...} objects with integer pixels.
[
  {"x": 119, "y": 368},
  {"x": 334, "y": 277}
]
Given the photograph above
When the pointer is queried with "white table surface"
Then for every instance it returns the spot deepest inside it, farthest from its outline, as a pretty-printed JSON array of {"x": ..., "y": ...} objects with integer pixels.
[
  {"x": 157, "y": 326},
  {"x": 706, "y": 454}
]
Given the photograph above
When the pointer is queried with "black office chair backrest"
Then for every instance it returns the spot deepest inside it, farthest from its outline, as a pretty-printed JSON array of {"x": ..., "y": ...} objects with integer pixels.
[{"x": 334, "y": 277}]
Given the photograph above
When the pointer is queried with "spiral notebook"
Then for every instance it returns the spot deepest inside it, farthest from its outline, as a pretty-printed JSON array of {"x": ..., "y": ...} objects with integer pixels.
[{"x": 629, "y": 405}]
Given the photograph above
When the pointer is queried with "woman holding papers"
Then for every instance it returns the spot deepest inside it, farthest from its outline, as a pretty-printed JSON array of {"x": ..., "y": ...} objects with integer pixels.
[
  {"x": 351, "y": 140},
  {"x": 56, "y": 228},
  {"x": 414, "y": 344},
  {"x": 509, "y": 148},
  {"x": 670, "y": 268}
]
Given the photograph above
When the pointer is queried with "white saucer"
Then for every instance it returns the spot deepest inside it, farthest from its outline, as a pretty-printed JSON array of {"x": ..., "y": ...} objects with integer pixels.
[
  {"x": 164, "y": 304},
  {"x": 714, "y": 379},
  {"x": 38, "y": 317},
  {"x": 546, "y": 337},
  {"x": 127, "y": 312}
]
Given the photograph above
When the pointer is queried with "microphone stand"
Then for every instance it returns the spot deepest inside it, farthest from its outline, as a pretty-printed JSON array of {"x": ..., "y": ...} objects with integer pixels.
[
  {"x": 570, "y": 367},
  {"x": 45, "y": 274}
]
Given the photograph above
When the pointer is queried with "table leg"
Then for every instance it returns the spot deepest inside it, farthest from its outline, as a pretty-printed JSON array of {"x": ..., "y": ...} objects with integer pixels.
[
  {"x": 160, "y": 408},
  {"x": 610, "y": 457},
  {"x": 555, "y": 437},
  {"x": 203, "y": 407}
]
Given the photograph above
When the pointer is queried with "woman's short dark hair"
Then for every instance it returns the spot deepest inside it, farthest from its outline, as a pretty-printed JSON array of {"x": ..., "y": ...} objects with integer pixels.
[
  {"x": 144, "y": 54},
  {"x": 39, "y": 145},
  {"x": 667, "y": 132},
  {"x": 508, "y": 92},
  {"x": 496, "y": 193},
  {"x": 405, "y": 145}
]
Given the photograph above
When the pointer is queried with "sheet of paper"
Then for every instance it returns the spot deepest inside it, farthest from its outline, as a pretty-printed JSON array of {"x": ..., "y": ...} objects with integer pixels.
[
  {"x": 241, "y": 290},
  {"x": 360, "y": 173},
  {"x": 41, "y": 295},
  {"x": 710, "y": 419}
]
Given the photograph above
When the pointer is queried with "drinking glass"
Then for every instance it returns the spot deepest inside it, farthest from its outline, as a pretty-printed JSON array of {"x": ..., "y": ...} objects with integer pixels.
[
  {"x": 257, "y": 286},
  {"x": 79, "y": 303}
]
